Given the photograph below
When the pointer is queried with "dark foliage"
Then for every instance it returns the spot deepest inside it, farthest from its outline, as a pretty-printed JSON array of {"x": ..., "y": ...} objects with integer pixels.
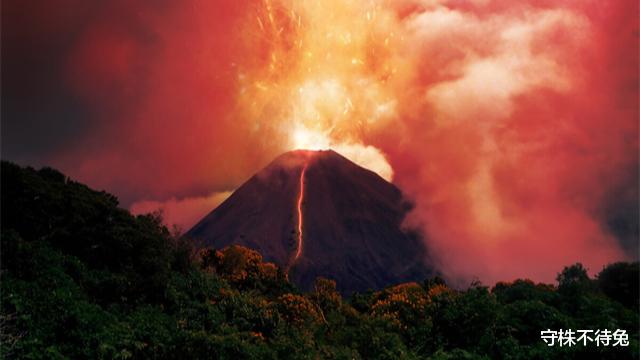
[{"x": 84, "y": 279}]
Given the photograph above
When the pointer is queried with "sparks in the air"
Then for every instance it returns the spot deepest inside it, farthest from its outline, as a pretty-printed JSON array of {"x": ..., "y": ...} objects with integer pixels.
[
  {"x": 497, "y": 119},
  {"x": 324, "y": 78}
]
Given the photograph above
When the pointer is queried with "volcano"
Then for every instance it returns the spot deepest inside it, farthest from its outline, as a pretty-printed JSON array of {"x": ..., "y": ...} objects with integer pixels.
[{"x": 316, "y": 213}]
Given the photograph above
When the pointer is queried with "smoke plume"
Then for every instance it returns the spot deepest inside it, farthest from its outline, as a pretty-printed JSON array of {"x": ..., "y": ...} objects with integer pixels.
[{"x": 512, "y": 126}]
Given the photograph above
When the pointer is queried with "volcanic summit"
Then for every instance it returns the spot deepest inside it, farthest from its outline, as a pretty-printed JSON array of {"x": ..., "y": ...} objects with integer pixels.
[{"x": 316, "y": 213}]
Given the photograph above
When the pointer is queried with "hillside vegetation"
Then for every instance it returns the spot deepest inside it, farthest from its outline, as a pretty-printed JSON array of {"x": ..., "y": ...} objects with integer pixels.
[{"x": 84, "y": 279}]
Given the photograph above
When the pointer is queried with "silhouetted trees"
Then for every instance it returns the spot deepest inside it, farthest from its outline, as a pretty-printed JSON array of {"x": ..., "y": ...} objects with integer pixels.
[
  {"x": 620, "y": 282},
  {"x": 84, "y": 279}
]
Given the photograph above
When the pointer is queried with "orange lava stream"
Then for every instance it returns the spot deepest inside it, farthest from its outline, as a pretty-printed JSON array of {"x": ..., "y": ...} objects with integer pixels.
[{"x": 300, "y": 215}]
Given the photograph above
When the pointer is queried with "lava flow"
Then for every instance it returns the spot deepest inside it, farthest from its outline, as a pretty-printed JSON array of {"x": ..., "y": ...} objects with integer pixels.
[{"x": 300, "y": 214}]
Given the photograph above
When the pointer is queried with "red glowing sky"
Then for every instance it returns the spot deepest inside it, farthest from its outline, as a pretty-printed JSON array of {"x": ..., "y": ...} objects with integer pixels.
[{"x": 512, "y": 126}]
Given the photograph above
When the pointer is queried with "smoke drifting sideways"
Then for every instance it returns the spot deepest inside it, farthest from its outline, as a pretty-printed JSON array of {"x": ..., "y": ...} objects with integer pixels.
[
  {"x": 512, "y": 126},
  {"x": 525, "y": 138}
]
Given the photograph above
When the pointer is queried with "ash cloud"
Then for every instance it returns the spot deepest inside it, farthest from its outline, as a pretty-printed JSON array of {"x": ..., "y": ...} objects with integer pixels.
[
  {"x": 525, "y": 128},
  {"x": 512, "y": 126}
]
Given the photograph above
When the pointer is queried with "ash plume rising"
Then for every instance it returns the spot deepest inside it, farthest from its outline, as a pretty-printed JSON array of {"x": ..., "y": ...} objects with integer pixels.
[{"x": 512, "y": 126}]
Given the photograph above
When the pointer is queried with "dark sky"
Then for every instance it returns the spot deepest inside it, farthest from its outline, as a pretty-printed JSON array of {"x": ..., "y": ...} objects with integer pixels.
[
  {"x": 40, "y": 114},
  {"x": 124, "y": 96}
]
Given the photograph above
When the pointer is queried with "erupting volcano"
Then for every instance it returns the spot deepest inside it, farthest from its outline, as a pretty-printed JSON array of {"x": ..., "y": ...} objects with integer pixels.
[{"x": 315, "y": 213}]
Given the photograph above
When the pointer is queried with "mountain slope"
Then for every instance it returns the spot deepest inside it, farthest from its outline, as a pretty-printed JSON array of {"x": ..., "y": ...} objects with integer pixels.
[{"x": 349, "y": 216}]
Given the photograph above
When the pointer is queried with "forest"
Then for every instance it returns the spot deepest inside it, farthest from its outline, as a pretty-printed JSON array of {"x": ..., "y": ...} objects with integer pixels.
[{"x": 82, "y": 278}]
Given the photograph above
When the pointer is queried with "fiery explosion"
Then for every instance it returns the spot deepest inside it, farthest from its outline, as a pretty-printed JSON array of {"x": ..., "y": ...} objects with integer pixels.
[
  {"x": 458, "y": 99},
  {"x": 322, "y": 77},
  {"x": 512, "y": 126}
]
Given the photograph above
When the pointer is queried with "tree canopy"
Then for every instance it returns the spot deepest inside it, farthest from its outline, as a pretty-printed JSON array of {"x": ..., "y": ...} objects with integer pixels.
[{"x": 82, "y": 278}]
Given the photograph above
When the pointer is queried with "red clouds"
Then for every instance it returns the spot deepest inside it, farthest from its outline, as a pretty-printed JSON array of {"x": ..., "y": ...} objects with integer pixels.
[
  {"x": 528, "y": 123},
  {"x": 162, "y": 82},
  {"x": 511, "y": 125}
]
